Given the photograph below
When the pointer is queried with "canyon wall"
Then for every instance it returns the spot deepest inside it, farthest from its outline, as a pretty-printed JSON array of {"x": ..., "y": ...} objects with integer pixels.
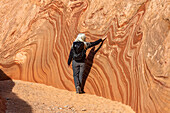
[{"x": 132, "y": 66}]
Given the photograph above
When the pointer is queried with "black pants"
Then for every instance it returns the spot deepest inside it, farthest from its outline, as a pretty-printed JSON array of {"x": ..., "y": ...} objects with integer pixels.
[{"x": 78, "y": 73}]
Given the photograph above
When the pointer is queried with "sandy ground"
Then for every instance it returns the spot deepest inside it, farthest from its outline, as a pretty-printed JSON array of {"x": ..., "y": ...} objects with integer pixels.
[
  {"x": 2, "y": 105},
  {"x": 26, "y": 97}
]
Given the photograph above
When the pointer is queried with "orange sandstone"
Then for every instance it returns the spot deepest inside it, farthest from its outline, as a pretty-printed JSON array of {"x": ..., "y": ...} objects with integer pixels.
[{"x": 131, "y": 67}]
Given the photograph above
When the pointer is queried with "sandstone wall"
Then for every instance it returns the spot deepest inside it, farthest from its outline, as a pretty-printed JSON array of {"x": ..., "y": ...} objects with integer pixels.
[{"x": 132, "y": 66}]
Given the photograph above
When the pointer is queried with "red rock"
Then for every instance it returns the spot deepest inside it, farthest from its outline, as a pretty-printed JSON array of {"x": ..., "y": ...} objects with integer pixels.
[{"x": 132, "y": 66}]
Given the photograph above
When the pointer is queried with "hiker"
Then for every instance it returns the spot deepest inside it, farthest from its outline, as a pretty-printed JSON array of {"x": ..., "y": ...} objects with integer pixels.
[{"x": 78, "y": 58}]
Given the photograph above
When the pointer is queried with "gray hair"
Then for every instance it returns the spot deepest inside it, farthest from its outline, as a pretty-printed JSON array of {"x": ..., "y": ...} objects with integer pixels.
[{"x": 81, "y": 37}]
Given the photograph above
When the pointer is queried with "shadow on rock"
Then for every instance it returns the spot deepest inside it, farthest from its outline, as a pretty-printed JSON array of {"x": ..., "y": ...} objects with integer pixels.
[
  {"x": 13, "y": 103},
  {"x": 89, "y": 63}
]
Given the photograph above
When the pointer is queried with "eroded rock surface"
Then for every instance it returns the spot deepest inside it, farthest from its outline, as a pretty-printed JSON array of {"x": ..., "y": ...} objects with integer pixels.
[{"x": 132, "y": 66}]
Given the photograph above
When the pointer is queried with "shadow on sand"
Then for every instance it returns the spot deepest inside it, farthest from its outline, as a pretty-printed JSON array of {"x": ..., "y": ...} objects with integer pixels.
[
  {"x": 13, "y": 103},
  {"x": 89, "y": 64}
]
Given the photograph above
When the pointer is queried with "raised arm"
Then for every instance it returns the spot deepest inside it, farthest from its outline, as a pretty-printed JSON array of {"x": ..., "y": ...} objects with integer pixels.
[{"x": 91, "y": 44}]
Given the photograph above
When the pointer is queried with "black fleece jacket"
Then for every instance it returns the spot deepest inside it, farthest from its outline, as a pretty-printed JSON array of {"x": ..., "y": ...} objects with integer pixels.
[{"x": 89, "y": 45}]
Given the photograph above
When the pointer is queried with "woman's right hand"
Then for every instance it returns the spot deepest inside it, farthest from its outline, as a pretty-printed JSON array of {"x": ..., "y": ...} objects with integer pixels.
[{"x": 104, "y": 38}]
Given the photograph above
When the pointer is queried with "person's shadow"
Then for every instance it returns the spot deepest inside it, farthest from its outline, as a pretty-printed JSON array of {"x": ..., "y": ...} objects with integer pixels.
[
  {"x": 13, "y": 103},
  {"x": 89, "y": 63}
]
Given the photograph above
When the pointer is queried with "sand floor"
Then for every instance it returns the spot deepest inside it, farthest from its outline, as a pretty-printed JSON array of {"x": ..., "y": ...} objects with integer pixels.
[{"x": 27, "y": 97}]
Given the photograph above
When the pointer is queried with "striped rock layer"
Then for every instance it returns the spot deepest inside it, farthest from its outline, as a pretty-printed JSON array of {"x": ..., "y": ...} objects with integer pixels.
[{"x": 132, "y": 66}]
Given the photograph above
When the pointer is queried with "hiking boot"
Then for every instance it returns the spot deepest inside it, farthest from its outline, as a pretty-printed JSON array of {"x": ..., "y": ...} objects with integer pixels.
[
  {"x": 83, "y": 91},
  {"x": 78, "y": 90}
]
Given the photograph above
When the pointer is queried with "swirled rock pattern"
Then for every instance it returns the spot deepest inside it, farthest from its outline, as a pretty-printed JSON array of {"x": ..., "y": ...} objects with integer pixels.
[{"x": 132, "y": 66}]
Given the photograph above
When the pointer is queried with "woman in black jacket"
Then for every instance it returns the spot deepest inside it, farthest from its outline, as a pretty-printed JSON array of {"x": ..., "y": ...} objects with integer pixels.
[{"x": 78, "y": 55}]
